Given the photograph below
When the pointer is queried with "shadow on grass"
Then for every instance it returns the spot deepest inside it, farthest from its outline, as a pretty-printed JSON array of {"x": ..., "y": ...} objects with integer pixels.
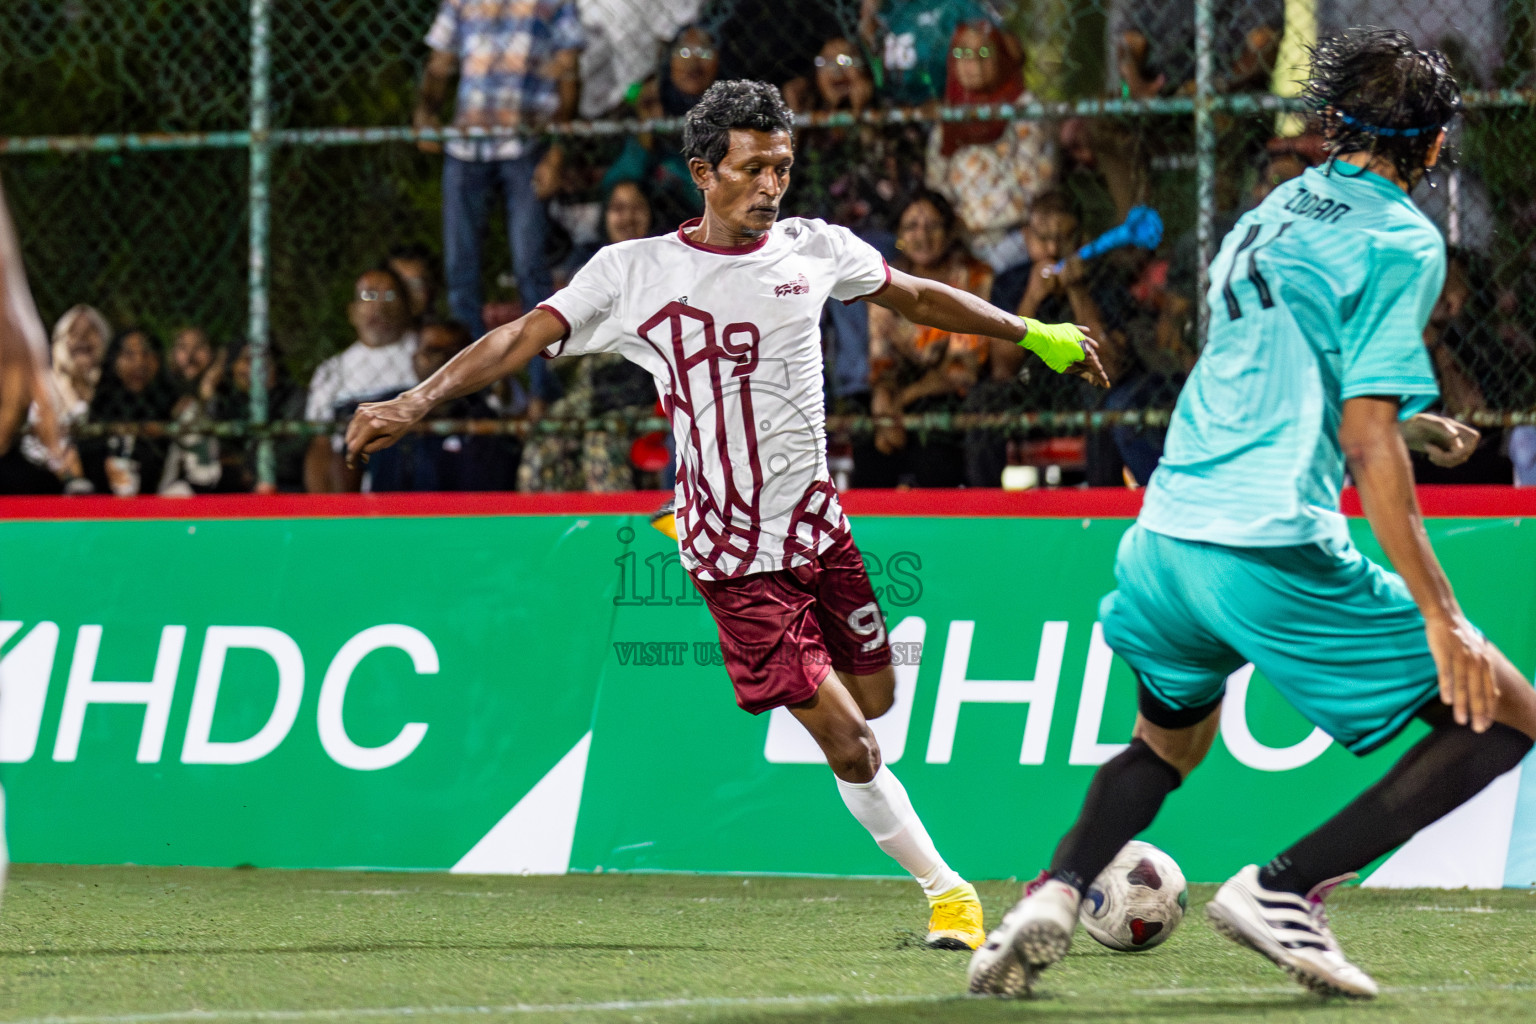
[
  {"x": 1078, "y": 1009},
  {"x": 359, "y": 948}
]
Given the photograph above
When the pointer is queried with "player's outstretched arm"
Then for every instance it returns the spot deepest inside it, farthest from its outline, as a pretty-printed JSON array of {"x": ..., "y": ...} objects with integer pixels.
[
  {"x": 1378, "y": 462},
  {"x": 500, "y": 353},
  {"x": 1066, "y": 348},
  {"x": 23, "y": 347}
]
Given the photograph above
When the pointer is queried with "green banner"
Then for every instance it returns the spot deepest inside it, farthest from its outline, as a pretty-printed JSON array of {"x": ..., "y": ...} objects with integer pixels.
[{"x": 511, "y": 693}]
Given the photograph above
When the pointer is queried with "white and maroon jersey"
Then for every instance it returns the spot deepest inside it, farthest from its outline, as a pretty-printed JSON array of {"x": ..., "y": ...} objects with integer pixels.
[{"x": 733, "y": 338}]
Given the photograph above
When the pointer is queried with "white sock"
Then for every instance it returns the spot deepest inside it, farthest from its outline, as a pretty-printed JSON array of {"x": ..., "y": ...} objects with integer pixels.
[
  {"x": 4, "y": 859},
  {"x": 881, "y": 805}
]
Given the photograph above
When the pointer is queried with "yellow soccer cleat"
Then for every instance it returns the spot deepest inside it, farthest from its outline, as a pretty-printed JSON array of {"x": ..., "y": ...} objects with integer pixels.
[
  {"x": 665, "y": 519},
  {"x": 955, "y": 921}
]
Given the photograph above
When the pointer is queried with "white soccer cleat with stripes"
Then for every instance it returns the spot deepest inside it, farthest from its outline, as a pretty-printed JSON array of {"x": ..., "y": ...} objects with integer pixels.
[
  {"x": 1035, "y": 934},
  {"x": 1291, "y": 930}
]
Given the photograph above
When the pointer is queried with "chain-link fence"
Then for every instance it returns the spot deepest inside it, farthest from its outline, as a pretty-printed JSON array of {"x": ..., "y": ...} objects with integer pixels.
[{"x": 244, "y": 169}]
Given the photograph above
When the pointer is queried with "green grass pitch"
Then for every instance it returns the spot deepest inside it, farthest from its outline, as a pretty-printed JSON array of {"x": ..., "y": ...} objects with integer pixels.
[{"x": 164, "y": 946}]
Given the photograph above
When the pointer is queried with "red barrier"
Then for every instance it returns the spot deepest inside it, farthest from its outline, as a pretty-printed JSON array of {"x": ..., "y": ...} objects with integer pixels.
[{"x": 1097, "y": 503}]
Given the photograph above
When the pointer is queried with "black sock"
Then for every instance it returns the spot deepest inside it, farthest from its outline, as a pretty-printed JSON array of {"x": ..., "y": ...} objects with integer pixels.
[
  {"x": 1438, "y": 774},
  {"x": 1122, "y": 801}
]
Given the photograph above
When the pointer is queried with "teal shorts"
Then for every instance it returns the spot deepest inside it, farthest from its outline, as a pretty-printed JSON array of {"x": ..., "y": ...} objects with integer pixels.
[{"x": 1337, "y": 635}]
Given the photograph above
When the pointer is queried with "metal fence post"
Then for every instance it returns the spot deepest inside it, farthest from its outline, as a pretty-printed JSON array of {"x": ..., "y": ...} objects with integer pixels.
[
  {"x": 1205, "y": 165},
  {"x": 258, "y": 326}
]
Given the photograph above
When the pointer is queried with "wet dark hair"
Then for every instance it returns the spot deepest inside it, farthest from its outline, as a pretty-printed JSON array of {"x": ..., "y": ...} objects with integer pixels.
[
  {"x": 1381, "y": 95},
  {"x": 740, "y": 104}
]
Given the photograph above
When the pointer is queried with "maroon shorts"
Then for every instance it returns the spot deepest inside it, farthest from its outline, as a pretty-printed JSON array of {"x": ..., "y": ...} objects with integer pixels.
[{"x": 782, "y": 631}]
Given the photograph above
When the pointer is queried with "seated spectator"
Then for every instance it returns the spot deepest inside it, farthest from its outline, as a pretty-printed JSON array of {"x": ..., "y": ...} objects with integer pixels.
[
  {"x": 1281, "y": 160},
  {"x": 841, "y": 82},
  {"x": 775, "y": 42},
  {"x": 691, "y": 66},
  {"x": 1471, "y": 367},
  {"x": 285, "y": 403},
  {"x": 375, "y": 366},
  {"x": 921, "y": 369},
  {"x": 80, "y": 340},
  {"x": 913, "y": 38},
  {"x": 851, "y": 176},
  {"x": 1154, "y": 45},
  {"x": 194, "y": 370},
  {"x": 451, "y": 462},
  {"x": 653, "y": 160},
  {"x": 602, "y": 385},
  {"x": 414, "y": 266},
  {"x": 990, "y": 170},
  {"x": 1087, "y": 294},
  {"x": 133, "y": 389},
  {"x": 1522, "y": 452}
]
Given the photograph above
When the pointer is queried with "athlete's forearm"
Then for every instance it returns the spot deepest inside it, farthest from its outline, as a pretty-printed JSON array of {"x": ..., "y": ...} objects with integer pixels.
[
  {"x": 500, "y": 353},
  {"x": 959, "y": 312},
  {"x": 1378, "y": 462}
]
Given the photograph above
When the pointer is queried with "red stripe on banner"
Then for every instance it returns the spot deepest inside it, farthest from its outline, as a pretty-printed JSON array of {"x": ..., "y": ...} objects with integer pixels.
[{"x": 1094, "y": 503}]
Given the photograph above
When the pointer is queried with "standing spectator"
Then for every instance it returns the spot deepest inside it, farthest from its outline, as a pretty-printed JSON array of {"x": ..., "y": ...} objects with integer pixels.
[
  {"x": 517, "y": 67},
  {"x": 913, "y": 39},
  {"x": 133, "y": 389},
  {"x": 990, "y": 170},
  {"x": 377, "y": 364},
  {"x": 80, "y": 340},
  {"x": 413, "y": 265},
  {"x": 922, "y": 369},
  {"x": 691, "y": 66},
  {"x": 604, "y": 383}
]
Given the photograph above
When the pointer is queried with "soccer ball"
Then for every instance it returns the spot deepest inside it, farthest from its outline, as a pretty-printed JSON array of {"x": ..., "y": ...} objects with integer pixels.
[{"x": 1137, "y": 902}]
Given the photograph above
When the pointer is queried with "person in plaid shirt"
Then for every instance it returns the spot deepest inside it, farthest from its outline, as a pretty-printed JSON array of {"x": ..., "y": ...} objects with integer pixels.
[{"x": 516, "y": 62}]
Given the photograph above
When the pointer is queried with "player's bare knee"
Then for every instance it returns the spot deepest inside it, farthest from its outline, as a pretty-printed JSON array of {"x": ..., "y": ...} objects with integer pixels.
[
  {"x": 1183, "y": 748},
  {"x": 854, "y": 756}
]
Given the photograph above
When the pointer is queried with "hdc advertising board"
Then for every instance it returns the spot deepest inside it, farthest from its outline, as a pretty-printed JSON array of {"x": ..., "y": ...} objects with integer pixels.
[{"x": 542, "y": 693}]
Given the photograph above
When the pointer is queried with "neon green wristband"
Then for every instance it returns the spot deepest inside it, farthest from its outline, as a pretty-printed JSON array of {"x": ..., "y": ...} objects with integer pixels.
[{"x": 1060, "y": 345}]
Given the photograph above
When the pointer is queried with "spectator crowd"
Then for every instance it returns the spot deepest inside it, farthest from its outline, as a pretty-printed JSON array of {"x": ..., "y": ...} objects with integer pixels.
[{"x": 996, "y": 207}]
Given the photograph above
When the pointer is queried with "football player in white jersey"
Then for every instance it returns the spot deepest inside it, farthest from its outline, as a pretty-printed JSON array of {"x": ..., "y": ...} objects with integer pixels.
[
  {"x": 725, "y": 315},
  {"x": 24, "y": 380}
]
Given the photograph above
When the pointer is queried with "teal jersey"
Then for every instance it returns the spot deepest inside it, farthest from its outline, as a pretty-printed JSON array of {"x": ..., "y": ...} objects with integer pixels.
[{"x": 1319, "y": 294}]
